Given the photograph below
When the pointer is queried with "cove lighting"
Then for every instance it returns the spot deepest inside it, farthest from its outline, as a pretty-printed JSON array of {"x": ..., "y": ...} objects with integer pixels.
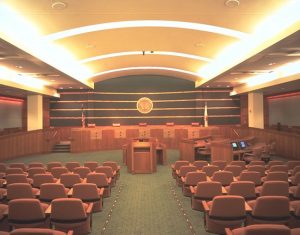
[
  {"x": 283, "y": 71},
  {"x": 13, "y": 76},
  {"x": 128, "y": 53},
  {"x": 146, "y": 23},
  {"x": 145, "y": 68},
  {"x": 17, "y": 30},
  {"x": 286, "y": 19}
]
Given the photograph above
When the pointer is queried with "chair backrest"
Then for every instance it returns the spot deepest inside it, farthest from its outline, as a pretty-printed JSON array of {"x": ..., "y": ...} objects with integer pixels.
[
  {"x": 16, "y": 178},
  {"x": 36, "y": 231},
  {"x": 18, "y": 165},
  {"x": 292, "y": 164},
  {"x": 25, "y": 210},
  {"x": 178, "y": 164},
  {"x": 86, "y": 192},
  {"x": 267, "y": 229},
  {"x": 39, "y": 179},
  {"x": 71, "y": 165},
  {"x": 295, "y": 170},
  {"x": 92, "y": 165},
  {"x": 67, "y": 210},
  {"x": 99, "y": 179},
  {"x": 50, "y": 191},
  {"x": 200, "y": 164},
  {"x": 106, "y": 170},
  {"x": 279, "y": 168},
  {"x": 257, "y": 162},
  {"x": 206, "y": 190},
  {"x": 36, "y": 164},
  {"x": 224, "y": 177},
  {"x": 295, "y": 180},
  {"x": 192, "y": 178},
  {"x": 183, "y": 170},
  {"x": 50, "y": 165},
  {"x": 14, "y": 171},
  {"x": 277, "y": 175},
  {"x": 112, "y": 164},
  {"x": 264, "y": 208},
  {"x": 258, "y": 168},
  {"x": 228, "y": 207},
  {"x": 296, "y": 192},
  {"x": 238, "y": 163},
  {"x": 275, "y": 188},
  {"x": 235, "y": 169},
  {"x": 69, "y": 179},
  {"x": 19, "y": 190},
  {"x": 252, "y": 176},
  {"x": 245, "y": 189},
  {"x": 83, "y": 171},
  {"x": 220, "y": 163},
  {"x": 3, "y": 167},
  {"x": 274, "y": 163},
  {"x": 209, "y": 170},
  {"x": 58, "y": 171},
  {"x": 35, "y": 170}
]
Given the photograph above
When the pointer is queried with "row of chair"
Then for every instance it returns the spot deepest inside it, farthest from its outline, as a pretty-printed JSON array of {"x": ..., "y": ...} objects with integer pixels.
[
  {"x": 56, "y": 168},
  {"x": 263, "y": 229},
  {"x": 35, "y": 231},
  {"x": 63, "y": 214},
  {"x": 233, "y": 212}
]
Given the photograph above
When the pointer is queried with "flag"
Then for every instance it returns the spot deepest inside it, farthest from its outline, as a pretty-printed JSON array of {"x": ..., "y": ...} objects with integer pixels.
[
  {"x": 205, "y": 115},
  {"x": 82, "y": 117}
]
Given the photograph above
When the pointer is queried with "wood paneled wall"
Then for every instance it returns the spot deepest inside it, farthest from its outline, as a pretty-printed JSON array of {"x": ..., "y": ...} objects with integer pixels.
[
  {"x": 26, "y": 143},
  {"x": 287, "y": 144}
]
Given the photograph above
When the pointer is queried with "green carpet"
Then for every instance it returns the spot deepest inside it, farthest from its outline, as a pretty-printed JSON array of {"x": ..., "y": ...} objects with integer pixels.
[{"x": 141, "y": 204}]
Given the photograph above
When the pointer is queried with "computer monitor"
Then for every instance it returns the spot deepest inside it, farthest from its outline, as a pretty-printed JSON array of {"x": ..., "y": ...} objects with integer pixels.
[
  {"x": 243, "y": 144},
  {"x": 234, "y": 145}
]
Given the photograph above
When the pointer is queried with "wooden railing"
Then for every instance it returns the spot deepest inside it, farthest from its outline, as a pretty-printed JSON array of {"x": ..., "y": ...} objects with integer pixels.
[
  {"x": 287, "y": 144},
  {"x": 26, "y": 143}
]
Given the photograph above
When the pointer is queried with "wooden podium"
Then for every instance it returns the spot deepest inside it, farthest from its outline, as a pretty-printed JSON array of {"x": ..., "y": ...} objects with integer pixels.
[{"x": 141, "y": 157}]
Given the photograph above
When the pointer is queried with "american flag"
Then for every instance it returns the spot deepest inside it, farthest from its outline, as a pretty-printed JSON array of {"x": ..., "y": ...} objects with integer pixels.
[
  {"x": 205, "y": 115},
  {"x": 82, "y": 117}
]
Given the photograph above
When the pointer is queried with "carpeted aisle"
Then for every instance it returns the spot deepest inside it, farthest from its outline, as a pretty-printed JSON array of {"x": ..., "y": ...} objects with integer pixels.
[{"x": 141, "y": 204}]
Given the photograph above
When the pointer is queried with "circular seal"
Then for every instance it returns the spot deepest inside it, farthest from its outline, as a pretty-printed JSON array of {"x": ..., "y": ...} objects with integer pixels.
[{"x": 144, "y": 105}]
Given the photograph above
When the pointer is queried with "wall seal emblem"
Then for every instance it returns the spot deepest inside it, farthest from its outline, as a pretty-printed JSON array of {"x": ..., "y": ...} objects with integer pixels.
[{"x": 144, "y": 105}]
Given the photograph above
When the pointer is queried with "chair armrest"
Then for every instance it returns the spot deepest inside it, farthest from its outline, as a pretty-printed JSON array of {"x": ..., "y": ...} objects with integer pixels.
[
  {"x": 109, "y": 180},
  {"x": 84, "y": 180},
  {"x": 205, "y": 206},
  {"x": 38, "y": 193},
  {"x": 58, "y": 181},
  {"x": 101, "y": 191},
  {"x": 208, "y": 179},
  {"x": 183, "y": 179},
  {"x": 114, "y": 173},
  {"x": 48, "y": 210},
  {"x": 192, "y": 189},
  {"x": 228, "y": 231},
  {"x": 248, "y": 208},
  {"x": 71, "y": 232},
  {"x": 224, "y": 191},
  {"x": 70, "y": 193},
  {"x": 177, "y": 172},
  {"x": 90, "y": 208},
  {"x": 234, "y": 179}
]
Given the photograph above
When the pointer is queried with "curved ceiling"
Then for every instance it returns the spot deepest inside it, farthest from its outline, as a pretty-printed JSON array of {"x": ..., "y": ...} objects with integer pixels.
[{"x": 76, "y": 43}]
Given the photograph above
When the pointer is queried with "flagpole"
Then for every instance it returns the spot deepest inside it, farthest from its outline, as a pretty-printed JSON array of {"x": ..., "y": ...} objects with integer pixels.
[
  {"x": 205, "y": 115},
  {"x": 82, "y": 117}
]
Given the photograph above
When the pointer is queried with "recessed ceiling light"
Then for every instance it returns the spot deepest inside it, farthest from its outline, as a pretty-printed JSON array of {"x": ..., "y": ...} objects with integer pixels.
[
  {"x": 227, "y": 86},
  {"x": 70, "y": 87},
  {"x": 199, "y": 44},
  {"x": 58, "y": 5},
  {"x": 80, "y": 87},
  {"x": 19, "y": 66},
  {"x": 270, "y": 64},
  {"x": 52, "y": 80},
  {"x": 61, "y": 88},
  {"x": 232, "y": 3},
  {"x": 207, "y": 86}
]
